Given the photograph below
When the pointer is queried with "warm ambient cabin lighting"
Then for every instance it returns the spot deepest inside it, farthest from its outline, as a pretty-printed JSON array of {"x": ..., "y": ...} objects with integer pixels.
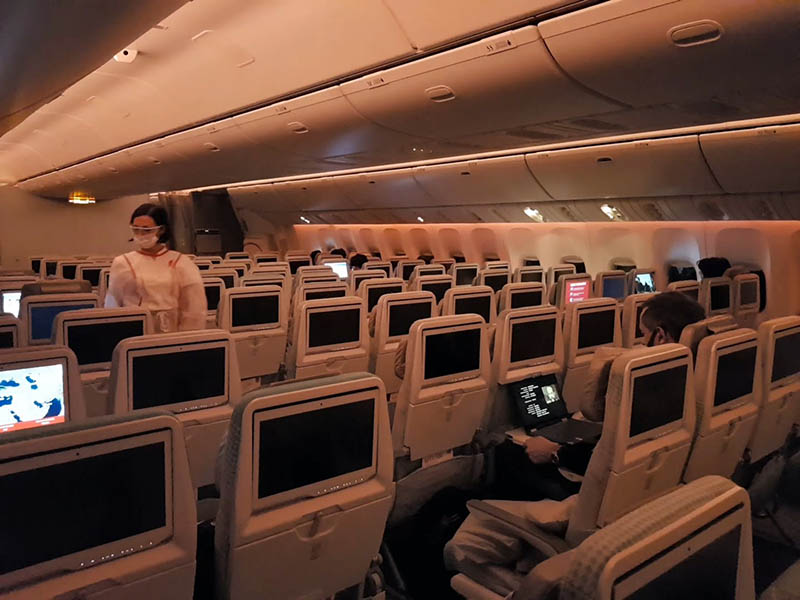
[
  {"x": 534, "y": 214},
  {"x": 612, "y": 212},
  {"x": 81, "y": 198}
]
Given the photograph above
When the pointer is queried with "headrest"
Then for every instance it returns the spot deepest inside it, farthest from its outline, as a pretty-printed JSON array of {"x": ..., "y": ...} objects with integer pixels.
[
  {"x": 522, "y": 295},
  {"x": 56, "y": 286},
  {"x": 693, "y": 334}
]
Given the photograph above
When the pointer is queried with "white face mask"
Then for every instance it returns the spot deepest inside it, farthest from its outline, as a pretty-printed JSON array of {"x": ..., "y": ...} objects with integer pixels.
[{"x": 145, "y": 242}]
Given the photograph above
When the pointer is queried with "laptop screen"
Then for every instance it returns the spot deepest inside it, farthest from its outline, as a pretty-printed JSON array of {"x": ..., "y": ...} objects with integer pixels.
[{"x": 538, "y": 400}]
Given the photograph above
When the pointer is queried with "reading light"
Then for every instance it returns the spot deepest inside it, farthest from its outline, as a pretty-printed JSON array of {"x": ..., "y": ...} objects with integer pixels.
[
  {"x": 612, "y": 212},
  {"x": 534, "y": 214},
  {"x": 81, "y": 198},
  {"x": 304, "y": 220},
  {"x": 420, "y": 219}
]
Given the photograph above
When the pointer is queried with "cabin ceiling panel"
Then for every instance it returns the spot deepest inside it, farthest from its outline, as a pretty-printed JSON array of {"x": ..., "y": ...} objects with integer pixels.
[
  {"x": 44, "y": 47},
  {"x": 504, "y": 179},
  {"x": 503, "y": 82},
  {"x": 731, "y": 59},
  {"x": 755, "y": 160},
  {"x": 630, "y": 169}
]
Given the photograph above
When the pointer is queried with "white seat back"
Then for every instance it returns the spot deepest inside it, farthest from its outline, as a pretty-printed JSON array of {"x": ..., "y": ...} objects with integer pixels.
[
  {"x": 588, "y": 325},
  {"x": 280, "y": 526},
  {"x": 118, "y": 516},
  {"x": 726, "y": 403}
]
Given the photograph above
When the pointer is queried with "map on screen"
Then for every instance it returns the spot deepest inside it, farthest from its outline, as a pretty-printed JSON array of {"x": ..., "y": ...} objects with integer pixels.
[{"x": 31, "y": 396}]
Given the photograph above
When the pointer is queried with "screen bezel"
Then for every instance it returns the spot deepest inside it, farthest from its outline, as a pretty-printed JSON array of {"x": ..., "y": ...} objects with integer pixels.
[
  {"x": 333, "y": 347},
  {"x": 14, "y": 331},
  {"x": 662, "y": 430},
  {"x": 99, "y": 554},
  {"x": 751, "y": 305},
  {"x": 531, "y": 362},
  {"x": 66, "y": 325},
  {"x": 564, "y": 287},
  {"x": 490, "y": 273},
  {"x": 258, "y": 326},
  {"x": 431, "y": 302},
  {"x": 218, "y": 284},
  {"x": 620, "y": 278},
  {"x": 378, "y": 286},
  {"x": 461, "y": 267},
  {"x": 517, "y": 291},
  {"x": 720, "y": 311},
  {"x": 91, "y": 267},
  {"x": 386, "y": 267},
  {"x": 721, "y": 348},
  {"x": 320, "y": 487},
  {"x": 425, "y": 270},
  {"x": 42, "y": 362},
  {"x": 595, "y": 309},
  {"x": 444, "y": 281},
  {"x": 360, "y": 277},
  {"x": 789, "y": 378},
  {"x": 189, "y": 405},
  {"x": 457, "y": 297},
  {"x": 461, "y": 375},
  {"x": 526, "y": 270}
]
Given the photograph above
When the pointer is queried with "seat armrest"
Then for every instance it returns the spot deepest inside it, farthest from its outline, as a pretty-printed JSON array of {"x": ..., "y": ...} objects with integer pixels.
[
  {"x": 546, "y": 543},
  {"x": 544, "y": 581}
]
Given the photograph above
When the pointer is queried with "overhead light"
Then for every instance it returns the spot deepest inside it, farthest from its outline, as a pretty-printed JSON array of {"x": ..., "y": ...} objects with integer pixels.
[
  {"x": 304, "y": 220},
  {"x": 612, "y": 212},
  {"x": 81, "y": 198},
  {"x": 420, "y": 219},
  {"x": 533, "y": 214}
]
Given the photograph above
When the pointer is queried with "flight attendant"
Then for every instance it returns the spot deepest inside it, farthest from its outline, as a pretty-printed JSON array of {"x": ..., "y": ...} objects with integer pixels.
[{"x": 163, "y": 281}]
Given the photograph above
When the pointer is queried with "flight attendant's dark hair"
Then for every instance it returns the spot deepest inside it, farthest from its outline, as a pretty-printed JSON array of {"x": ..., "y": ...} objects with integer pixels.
[{"x": 159, "y": 215}]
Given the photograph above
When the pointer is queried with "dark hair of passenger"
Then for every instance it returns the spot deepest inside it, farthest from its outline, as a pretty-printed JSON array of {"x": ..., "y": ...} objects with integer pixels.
[
  {"x": 357, "y": 261},
  {"x": 672, "y": 311},
  {"x": 340, "y": 251},
  {"x": 426, "y": 258},
  {"x": 159, "y": 215},
  {"x": 313, "y": 254}
]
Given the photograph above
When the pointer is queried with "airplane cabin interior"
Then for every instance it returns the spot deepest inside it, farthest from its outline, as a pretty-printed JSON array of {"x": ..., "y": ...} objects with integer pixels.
[{"x": 400, "y": 299}]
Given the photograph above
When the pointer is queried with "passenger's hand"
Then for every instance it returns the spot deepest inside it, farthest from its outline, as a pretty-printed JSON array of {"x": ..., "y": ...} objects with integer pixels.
[{"x": 540, "y": 450}]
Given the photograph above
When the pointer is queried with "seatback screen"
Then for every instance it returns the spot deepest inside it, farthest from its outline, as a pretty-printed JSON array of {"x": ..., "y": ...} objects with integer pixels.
[
  {"x": 92, "y": 276},
  {"x": 322, "y": 294},
  {"x": 466, "y": 275},
  {"x": 644, "y": 284},
  {"x": 735, "y": 374},
  {"x": 479, "y": 305},
  {"x": 496, "y": 282},
  {"x": 68, "y": 271},
  {"x": 172, "y": 378},
  {"x": 227, "y": 280},
  {"x": 6, "y": 339},
  {"x": 30, "y": 397},
  {"x": 407, "y": 271},
  {"x": 374, "y": 294},
  {"x": 614, "y": 287},
  {"x": 451, "y": 353},
  {"x": 596, "y": 328},
  {"x": 531, "y": 262},
  {"x": 296, "y": 263},
  {"x": 266, "y": 259},
  {"x": 577, "y": 291},
  {"x": 314, "y": 446},
  {"x": 528, "y": 276},
  {"x": 50, "y": 267},
  {"x": 787, "y": 356},
  {"x": 720, "y": 297},
  {"x": 524, "y": 299},
  {"x": 212, "y": 296},
  {"x": 254, "y": 310},
  {"x": 42, "y": 318},
  {"x": 532, "y": 339},
  {"x": 657, "y": 399},
  {"x": 95, "y": 343},
  {"x": 76, "y": 505},
  {"x": 332, "y": 327},
  {"x": 747, "y": 293},
  {"x": 437, "y": 289},
  {"x": 403, "y": 316}
]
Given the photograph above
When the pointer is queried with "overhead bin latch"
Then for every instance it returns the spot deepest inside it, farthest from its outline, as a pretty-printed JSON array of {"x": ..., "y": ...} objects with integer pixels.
[
  {"x": 440, "y": 93},
  {"x": 696, "y": 33}
]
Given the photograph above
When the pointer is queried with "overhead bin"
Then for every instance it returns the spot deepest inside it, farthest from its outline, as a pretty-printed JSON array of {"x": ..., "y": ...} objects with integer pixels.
[
  {"x": 311, "y": 194},
  {"x": 507, "y": 81},
  {"x": 722, "y": 58},
  {"x": 384, "y": 189},
  {"x": 488, "y": 181},
  {"x": 422, "y": 19},
  {"x": 763, "y": 159},
  {"x": 659, "y": 167},
  {"x": 324, "y": 125}
]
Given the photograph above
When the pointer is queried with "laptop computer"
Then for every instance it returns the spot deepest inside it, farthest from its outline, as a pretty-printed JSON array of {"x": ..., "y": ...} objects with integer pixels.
[{"x": 544, "y": 412}]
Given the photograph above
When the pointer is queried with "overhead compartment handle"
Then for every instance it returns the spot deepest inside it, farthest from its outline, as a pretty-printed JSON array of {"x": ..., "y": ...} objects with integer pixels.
[{"x": 696, "y": 33}]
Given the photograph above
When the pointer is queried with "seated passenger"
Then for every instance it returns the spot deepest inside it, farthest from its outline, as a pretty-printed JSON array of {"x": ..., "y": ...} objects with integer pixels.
[
  {"x": 662, "y": 320},
  {"x": 357, "y": 261},
  {"x": 478, "y": 541},
  {"x": 313, "y": 254},
  {"x": 340, "y": 251}
]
